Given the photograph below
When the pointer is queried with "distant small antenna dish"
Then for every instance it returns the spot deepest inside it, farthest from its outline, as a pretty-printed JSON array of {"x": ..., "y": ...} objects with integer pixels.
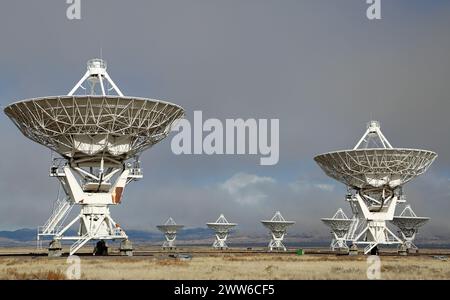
[
  {"x": 221, "y": 228},
  {"x": 169, "y": 228},
  {"x": 408, "y": 224},
  {"x": 278, "y": 227},
  {"x": 339, "y": 225}
]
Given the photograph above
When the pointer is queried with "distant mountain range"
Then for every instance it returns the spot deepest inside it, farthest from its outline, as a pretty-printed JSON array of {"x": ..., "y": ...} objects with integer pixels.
[
  {"x": 198, "y": 236},
  {"x": 203, "y": 236},
  {"x": 27, "y": 235}
]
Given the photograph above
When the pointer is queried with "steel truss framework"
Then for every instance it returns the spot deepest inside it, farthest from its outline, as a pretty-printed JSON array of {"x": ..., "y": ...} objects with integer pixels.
[
  {"x": 375, "y": 177},
  {"x": 169, "y": 228},
  {"x": 221, "y": 228},
  {"x": 278, "y": 228},
  {"x": 88, "y": 128},
  {"x": 99, "y": 138}
]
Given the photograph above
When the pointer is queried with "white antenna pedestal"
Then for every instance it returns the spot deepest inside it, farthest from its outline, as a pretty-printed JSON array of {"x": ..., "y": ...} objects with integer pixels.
[{"x": 94, "y": 191}]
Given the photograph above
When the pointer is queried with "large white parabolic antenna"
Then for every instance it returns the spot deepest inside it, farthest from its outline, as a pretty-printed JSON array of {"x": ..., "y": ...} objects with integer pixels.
[
  {"x": 169, "y": 228},
  {"x": 374, "y": 172},
  {"x": 91, "y": 128},
  {"x": 221, "y": 228},
  {"x": 96, "y": 133},
  {"x": 278, "y": 228}
]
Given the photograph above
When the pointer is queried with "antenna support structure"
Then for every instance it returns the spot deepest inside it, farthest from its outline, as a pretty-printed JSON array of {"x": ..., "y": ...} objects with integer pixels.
[
  {"x": 99, "y": 136},
  {"x": 374, "y": 173}
]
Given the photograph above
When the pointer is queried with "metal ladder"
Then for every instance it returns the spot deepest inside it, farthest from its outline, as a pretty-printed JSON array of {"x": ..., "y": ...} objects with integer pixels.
[
  {"x": 79, "y": 243},
  {"x": 369, "y": 247},
  {"x": 61, "y": 210}
]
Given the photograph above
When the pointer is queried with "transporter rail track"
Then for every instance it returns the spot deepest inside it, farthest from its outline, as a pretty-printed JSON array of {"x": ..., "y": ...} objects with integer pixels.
[{"x": 229, "y": 252}]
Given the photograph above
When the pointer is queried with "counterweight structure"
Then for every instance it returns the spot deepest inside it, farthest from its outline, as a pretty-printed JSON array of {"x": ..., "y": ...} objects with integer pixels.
[
  {"x": 99, "y": 135},
  {"x": 169, "y": 228},
  {"x": 374, "y": 173},
  {"x": 278, "y": 228},
  {"x": 221, "y": 228}
]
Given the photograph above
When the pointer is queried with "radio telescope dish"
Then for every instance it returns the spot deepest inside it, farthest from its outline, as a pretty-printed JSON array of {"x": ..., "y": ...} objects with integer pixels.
[
  {"x": 221, "y": 228},
  {"x": 278, "y": 227},
  {"x": 96, "y": 133},
  {"x": 374, "y": 173},
  {"x": 384, "y": 165},
  {"x": 169, "y": 228},
  {"x": 409, "y": 223},
  {"x": 339, "y": 225},
  {"x": 89, "y": 128},
  {"x": 374, "y": 168}
]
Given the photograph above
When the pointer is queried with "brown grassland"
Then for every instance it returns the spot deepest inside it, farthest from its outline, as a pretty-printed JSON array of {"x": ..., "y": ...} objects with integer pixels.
[{"x": 229, "y": 265}]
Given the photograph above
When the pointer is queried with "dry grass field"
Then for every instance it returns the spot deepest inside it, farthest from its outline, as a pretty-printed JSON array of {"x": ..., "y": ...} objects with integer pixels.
[{"x": 214, "y": 265}]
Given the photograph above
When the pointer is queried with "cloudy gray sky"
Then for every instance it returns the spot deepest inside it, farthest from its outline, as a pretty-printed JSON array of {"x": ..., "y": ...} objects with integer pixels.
[{"x": 320, "y": 66}]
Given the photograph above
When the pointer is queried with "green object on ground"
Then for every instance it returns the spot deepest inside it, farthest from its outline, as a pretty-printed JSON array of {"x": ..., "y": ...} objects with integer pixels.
[{"x": 300, "y": 252}]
